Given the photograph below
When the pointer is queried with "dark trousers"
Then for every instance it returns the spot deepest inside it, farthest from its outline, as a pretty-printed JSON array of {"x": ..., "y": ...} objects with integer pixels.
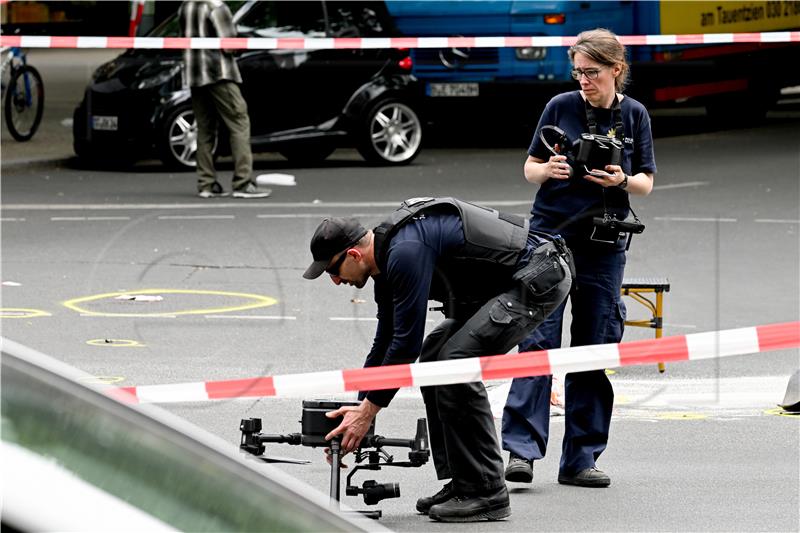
[
  {"x": 461, "y": 426},
  {"x": 598, "y": 316},
  {"x": 222, "y": 101}
]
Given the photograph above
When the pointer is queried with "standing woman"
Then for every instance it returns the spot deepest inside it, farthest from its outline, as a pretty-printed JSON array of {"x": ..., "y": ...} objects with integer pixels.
[{"x": 566, "y": 202}]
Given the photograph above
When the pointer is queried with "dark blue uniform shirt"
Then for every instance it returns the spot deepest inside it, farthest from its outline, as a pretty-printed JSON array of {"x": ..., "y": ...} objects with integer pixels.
[
  {"x": 567, "y": 206},
  {"x": 402, "y": 291}
]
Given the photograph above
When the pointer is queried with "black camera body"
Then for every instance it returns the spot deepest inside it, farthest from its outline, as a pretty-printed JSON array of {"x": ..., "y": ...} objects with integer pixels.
[
  {"x": 592, "y": 151},
  {"x": 315, "y": 425},
  {"x": 609, "y": 229},
  {"x": 589, "y": 151}
]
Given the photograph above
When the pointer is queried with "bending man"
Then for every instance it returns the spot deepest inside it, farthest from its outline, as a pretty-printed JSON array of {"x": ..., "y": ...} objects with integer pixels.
[{"x": 497, "y": 282}]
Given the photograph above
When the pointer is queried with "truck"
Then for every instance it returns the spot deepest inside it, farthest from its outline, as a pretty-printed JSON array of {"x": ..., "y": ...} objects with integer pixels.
[{"x": 736, "y": 83}]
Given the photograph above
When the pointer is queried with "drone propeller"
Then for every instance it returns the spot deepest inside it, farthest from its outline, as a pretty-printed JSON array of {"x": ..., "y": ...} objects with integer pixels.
[{"x": 283, "y": 460}]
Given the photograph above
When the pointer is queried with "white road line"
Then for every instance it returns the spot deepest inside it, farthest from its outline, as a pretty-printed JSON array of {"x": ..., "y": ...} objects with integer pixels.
[
  {"x": 86, "y": 219},
  {"x": 695, "y": 219},
  {"x": 196, "y": 217},
  {"x": 237, "y": 205},
  {"x": 680, "y": 326},
  {"x": 294, "y": 215},
  {"x": 124, "y": 315},
  {"x": 680, "y": 185},
  {"x": 363, "y": 319},
  {"x": 776, "y": 221},
  {"x": 12, "y": 219},
  {"x": 706, "y": 396},
  {"x": 252, "y": 317}
]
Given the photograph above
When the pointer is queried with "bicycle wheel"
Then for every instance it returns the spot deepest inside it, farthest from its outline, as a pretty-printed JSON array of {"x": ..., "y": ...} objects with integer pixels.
[{"x": 24, "y": 102}]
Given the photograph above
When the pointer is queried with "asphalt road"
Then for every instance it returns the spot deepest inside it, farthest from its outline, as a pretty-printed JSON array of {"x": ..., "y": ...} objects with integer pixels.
[{"x": 697, "y": 448}]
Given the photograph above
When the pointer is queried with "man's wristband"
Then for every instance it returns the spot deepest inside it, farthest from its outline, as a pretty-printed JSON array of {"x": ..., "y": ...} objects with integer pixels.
[{"x": 624, "y": 183}]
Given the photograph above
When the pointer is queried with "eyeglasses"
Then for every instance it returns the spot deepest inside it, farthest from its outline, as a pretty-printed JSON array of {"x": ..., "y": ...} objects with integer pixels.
[
  {"x": 333, "y": 269},
  {"x": 590, "y": 73}
]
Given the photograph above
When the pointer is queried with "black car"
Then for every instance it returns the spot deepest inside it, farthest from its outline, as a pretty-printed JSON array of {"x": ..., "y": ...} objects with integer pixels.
[{"x": 302, "y": 103}]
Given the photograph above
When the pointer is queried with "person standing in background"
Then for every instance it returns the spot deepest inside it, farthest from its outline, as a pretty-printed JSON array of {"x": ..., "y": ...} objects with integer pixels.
[{"x": 213, "y": 77}]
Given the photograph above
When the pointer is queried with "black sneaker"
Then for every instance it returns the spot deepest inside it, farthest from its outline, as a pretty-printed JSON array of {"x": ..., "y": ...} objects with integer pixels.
[
  {"x": 588, "y": 477},
  {"x": 424, "y": 504},
  {"x": 214, "y": 191},
  {"x": 519, "y": 469},
  {"x": 251, "y": 191},
  {"x": 493, "y": 505}
]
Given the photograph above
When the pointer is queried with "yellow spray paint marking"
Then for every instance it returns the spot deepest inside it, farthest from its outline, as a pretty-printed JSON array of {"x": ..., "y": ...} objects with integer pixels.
[
  {"x": 610, "y": 372},
  {"x": 257, "y": 300},
  {"x": 118, "y": 343},
  {"x": 681, "y": 416},
  {"x": 18, "y": 312},
  {"x": 102, "y": 380},
  {"x": 621, "y": 399},
  {"x": 780, "y": 412}
]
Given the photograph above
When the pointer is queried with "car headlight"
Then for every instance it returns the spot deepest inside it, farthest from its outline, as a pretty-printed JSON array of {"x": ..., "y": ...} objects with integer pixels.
[
  {"x": 531, "y": 53},
  {"x": 159, "y": 78},
  {"x": 103, "y": 72}
]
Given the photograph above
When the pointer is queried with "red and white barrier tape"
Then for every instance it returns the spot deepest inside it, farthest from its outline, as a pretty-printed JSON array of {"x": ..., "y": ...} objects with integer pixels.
[
  {"x": 691, "y": 347},
  {"x": 253, "y": 43}
]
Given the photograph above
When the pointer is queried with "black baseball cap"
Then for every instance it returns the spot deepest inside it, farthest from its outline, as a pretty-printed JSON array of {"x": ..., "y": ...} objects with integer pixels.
[{"x": 332, "y": 236}]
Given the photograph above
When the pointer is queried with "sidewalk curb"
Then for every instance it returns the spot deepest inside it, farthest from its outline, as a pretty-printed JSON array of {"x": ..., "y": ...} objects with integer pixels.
[{"x": 7, "y": 165}]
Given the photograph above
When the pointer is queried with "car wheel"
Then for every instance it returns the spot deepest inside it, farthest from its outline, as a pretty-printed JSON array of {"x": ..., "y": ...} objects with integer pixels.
[
  {"x": 307, "y": 153},
  {"x": 178, "y": 143},
  {"x": 391, "y": 134}
]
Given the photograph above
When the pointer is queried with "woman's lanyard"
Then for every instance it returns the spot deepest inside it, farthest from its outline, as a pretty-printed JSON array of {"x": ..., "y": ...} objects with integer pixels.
[{"x": 616, "y": 110}]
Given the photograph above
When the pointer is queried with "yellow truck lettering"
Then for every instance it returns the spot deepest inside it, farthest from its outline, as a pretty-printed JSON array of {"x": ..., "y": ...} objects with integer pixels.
[{"x": 727, "y": 17}]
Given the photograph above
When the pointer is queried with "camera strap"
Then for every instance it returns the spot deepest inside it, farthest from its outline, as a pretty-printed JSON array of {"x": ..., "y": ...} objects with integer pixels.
[
  {"x": 616, "y": 112},
  {"x": 562, "y": 141}
]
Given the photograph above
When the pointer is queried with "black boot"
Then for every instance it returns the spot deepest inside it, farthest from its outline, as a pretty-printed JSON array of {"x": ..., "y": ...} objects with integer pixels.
[
  {"x": 588, "y": 477},
  {"x": 424, "y": 504},
  {"x": 491, "y": 505},
  {"x": 519, "y": 469}
]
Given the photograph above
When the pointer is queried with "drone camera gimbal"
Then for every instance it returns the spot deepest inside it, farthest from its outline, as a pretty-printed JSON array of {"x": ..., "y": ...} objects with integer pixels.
[{"x": 315, "y": 425}]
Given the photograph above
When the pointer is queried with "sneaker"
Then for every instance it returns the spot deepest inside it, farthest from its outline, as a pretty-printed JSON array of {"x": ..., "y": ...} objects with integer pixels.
[
  {"x": 588, "y": 477},
  {"x": 424, "y": 504},
  {"x": 214, "y": 191},
  {"x": 250, "y": 191},
  {"x": 492, "y": 505},
  {"x": 519, "y": 469}
]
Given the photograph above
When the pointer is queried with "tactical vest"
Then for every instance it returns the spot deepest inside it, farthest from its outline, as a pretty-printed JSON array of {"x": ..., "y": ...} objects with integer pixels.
[{"x": 481, "y": 268}]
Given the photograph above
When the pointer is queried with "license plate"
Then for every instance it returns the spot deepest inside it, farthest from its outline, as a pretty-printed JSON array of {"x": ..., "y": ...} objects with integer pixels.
[
  {"x": 453, "y": 89},
  {"x": 104, "y": 123}
]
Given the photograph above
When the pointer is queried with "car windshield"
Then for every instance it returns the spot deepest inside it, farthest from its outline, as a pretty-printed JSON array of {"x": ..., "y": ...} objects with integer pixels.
[
  {"x": 145, "y": 458},
  {"x": 281, "y": 19},
  {"x": 171, "y": 26}
]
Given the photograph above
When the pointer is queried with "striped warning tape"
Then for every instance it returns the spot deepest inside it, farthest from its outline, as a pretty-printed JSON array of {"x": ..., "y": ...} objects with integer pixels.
[
  {"x": 260, "y": 43},
  {"x": 690, "y": 347}
]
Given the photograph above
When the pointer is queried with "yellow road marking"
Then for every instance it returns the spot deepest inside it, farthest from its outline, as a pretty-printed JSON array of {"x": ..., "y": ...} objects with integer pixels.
[
  {"x": 681, "y": 415},
  {"x": 19, "y": 312},
  {"x": 258, "y": 301},
  {"x": 780, "y": 412},
  {"x": 116, "y": 343}
]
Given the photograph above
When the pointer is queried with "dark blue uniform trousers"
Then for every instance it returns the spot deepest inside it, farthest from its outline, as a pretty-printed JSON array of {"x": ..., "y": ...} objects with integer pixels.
[
  {"x": 462, "y": 433},
  {"x": 598, "y": 316}
]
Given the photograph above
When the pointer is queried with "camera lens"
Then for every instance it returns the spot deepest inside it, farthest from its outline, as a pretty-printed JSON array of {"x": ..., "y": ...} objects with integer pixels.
[{"x": 374, "y": 492}]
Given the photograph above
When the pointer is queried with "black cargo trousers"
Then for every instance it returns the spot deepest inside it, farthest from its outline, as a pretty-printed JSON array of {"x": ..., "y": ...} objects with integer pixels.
[{"x": 462, "y": 433}]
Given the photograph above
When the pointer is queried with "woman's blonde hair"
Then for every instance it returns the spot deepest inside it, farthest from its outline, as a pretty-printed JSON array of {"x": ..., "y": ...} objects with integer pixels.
[{"x": 602, "y": 46}]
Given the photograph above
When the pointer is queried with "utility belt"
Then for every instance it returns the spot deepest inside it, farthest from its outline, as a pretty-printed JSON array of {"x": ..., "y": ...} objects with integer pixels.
[{"x": 545, "y": 268}]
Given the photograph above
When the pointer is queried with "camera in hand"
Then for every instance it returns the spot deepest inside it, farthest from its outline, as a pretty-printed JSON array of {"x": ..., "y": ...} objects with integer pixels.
[{"x": 589, "y": 151}]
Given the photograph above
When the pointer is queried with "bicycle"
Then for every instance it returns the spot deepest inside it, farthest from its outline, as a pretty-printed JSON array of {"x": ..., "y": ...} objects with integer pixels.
[{"x": 23, "y": 94}]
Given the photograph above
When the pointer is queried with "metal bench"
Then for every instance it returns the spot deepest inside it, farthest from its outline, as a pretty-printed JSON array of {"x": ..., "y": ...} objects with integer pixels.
[{"x": 637, "y": 288}]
